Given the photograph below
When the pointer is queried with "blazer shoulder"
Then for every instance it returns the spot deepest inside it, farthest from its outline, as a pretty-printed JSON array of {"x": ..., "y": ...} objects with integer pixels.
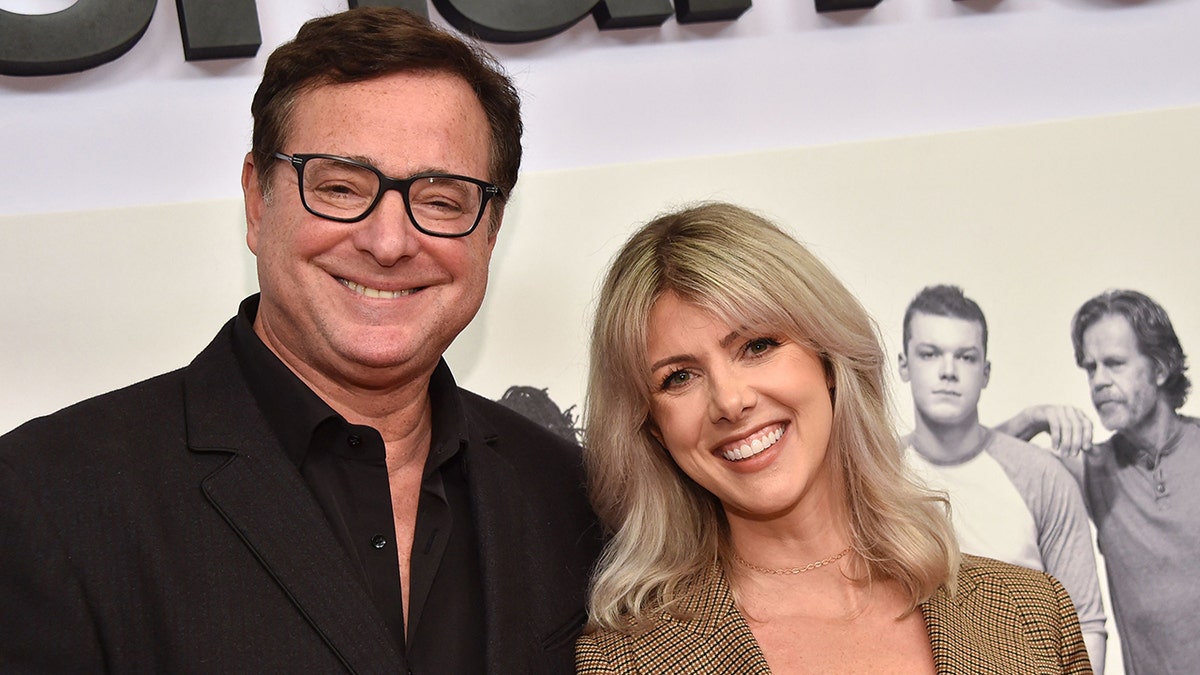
[
  {"x": 516, "y": 435},
  {"x": 995, "y": 574},
  {"x": 135, "y": 409},
  {"x": 141, "y": 411},
  {"x": 130, "y": 426},
  {"x": 1004, "y": 618},
  {"x": 604, "y": 651}
]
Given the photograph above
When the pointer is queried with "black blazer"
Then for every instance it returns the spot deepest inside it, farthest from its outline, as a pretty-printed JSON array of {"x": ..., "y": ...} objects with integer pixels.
[{"x": 161, "y": 528}]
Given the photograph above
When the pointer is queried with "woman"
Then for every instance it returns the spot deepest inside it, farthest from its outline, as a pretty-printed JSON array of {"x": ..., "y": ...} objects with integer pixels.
[{"x": 741, "y": 453}]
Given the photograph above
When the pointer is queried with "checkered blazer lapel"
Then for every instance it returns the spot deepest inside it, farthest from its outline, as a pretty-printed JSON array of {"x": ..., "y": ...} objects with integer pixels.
[{"x": 715, "y": 639}]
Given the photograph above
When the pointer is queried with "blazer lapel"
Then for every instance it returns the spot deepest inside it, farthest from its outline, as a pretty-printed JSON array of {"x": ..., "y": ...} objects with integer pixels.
[
  {"x": 951, "y": 636},
  {"x": 715, "y": 638},
  {"x": 497, "y": 507},
  {"x": 264, "y": 499}
]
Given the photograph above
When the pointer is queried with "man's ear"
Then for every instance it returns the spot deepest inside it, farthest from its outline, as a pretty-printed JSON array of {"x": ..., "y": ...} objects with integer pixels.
[
  {"x": 494, "y": 229},
  {"x": 253, "y": 196},
  {"x": 987, "y": 372},
  {"x": 902, "y": 366}
]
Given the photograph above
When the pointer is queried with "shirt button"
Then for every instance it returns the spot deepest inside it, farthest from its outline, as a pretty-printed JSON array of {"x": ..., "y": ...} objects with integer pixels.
[
  {"x": 1161, "y": 488},
  {"x": 378, "y": 541},
  {"x": 354, "y": 441}
]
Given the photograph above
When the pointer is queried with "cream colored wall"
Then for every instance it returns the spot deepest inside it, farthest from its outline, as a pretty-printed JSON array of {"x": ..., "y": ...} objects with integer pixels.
[
  {"x": 99, "y": 299},
  {"x": 1030, "y": 220}
]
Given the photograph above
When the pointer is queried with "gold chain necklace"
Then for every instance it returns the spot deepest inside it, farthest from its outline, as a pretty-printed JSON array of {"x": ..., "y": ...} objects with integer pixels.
[{"x": 795, "y": 570}]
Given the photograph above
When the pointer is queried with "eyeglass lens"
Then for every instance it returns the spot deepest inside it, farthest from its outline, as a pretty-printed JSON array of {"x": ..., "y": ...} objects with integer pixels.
[{"x": 337, "y": 189}]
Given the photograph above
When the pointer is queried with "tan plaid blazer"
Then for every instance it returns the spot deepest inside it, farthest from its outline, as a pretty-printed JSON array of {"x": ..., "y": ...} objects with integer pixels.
[{"x": 1003, "y": 619}]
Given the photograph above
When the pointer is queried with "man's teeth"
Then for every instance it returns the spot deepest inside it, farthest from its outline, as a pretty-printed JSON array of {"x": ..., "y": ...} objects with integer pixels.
[
  {"x": 374, "y": 292},
  {"x": 755, "y": 446}
]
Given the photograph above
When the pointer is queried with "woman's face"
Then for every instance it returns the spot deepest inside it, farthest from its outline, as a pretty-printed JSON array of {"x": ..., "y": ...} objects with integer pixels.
[{"x": 746, "y": 416}]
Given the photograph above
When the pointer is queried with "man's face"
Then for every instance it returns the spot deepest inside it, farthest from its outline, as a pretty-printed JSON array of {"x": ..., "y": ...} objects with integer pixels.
[
  {"x": 945, "y": 365},
  {"x": 1124, "y": 382},
  {"x": 374, "y": 302}
]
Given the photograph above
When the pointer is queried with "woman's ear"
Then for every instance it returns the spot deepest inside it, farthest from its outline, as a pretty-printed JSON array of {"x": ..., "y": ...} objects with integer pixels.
[{"x": 654, "y": 431}]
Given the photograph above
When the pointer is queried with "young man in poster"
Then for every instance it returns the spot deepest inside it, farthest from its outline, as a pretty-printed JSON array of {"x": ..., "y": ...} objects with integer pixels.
[{"x": 1010, "y": 500}]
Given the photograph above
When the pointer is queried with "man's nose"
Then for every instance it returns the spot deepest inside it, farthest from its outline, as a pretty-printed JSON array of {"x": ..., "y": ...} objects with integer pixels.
[
  {"x": 948, "y": 369},
  {"x": 388, "y": 234}
]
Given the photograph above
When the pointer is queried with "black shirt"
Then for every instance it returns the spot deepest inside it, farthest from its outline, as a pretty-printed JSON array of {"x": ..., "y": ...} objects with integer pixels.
[{"x": 344, "y": 466}]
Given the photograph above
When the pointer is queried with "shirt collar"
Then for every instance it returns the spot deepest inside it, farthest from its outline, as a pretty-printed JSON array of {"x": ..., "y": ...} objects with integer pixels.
[
  {"x": 1127, "y": 453},
  {"x": 294, "y": 411},
  {"x": 450, "y": 433}
]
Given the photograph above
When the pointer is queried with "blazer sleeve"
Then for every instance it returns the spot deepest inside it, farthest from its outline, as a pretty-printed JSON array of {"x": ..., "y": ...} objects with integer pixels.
[
  {"x": 1072, "y": 649},
  {"x": 45, "y": 622}
]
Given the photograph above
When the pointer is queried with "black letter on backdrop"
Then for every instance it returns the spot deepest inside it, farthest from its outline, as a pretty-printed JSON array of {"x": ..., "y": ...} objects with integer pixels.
[
  {"x": 415, "y": 6},
  {"x": 612, "y": 14},
  {"x": 824, "y": 6},
  {"x": 696, "y": 11},
  {"x": 85, "y": 35},
  {"x": 218, "y": 29},
  {"x": 529, "y": 21}
]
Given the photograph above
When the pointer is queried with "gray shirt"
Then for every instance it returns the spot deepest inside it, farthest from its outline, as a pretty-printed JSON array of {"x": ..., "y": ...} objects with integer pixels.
[{"x": 1147, "y": 516}]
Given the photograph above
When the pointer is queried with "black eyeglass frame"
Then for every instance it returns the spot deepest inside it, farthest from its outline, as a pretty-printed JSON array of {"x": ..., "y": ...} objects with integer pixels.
[{"x": 401, "y": 185}]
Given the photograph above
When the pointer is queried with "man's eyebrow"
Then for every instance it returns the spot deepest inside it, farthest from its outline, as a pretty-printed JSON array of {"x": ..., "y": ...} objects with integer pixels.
[{"x": 374, "y": 163}]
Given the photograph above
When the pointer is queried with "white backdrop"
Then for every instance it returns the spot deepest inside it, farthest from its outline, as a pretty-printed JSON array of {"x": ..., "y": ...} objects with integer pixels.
[{"x": 150, "y": 128}]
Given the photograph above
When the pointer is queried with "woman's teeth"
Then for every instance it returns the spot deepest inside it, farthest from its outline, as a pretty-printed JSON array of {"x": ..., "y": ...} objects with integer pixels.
[{"x": 753, "y": 446}]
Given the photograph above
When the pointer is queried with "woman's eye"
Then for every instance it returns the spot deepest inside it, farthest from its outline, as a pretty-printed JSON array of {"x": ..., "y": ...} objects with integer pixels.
[
  {"x": 760, "y": 346},
  {"x": 675, "y": 379}
]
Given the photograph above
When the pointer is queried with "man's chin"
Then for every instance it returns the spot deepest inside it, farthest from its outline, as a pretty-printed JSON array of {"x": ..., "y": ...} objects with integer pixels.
[{"x": 1114, "y": 423}]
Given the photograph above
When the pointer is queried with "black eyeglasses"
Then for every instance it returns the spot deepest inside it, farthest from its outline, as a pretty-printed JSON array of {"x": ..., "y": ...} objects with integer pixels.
[{"x": 346, "y": 190}]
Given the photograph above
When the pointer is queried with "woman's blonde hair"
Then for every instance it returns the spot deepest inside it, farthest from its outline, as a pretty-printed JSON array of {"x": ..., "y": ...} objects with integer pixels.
[{"x": 665, "y": 529}]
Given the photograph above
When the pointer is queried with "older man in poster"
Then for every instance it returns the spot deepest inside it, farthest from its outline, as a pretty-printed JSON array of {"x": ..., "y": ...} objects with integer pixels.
[{"x": 1141, "y": 484}]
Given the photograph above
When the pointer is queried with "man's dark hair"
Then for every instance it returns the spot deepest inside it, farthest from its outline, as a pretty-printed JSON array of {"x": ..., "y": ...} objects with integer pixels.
[
  {"x": 369, "y": 42},
  {"x": 944, "y": 300},
  {"x": 1155, "y": 336}
]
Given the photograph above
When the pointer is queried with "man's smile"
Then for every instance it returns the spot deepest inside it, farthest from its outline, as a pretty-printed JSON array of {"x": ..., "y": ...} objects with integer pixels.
[{"x": 375, "y": 292}]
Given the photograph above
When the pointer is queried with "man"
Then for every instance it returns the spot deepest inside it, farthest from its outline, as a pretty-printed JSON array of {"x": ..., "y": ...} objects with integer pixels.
[
  {"x": 313, "y": 493},
  {"x": 1140, "y": 484},
  {"x": 1010, "y": 500}
]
